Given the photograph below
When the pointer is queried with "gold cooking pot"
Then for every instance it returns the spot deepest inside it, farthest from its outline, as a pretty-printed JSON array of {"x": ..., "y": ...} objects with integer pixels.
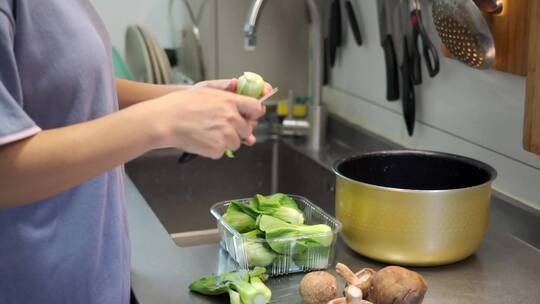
[{"x": 416, "y": 208}]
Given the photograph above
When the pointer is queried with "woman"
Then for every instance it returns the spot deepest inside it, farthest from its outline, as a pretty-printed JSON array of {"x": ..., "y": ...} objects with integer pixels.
[{"x": 66, "y": 125}]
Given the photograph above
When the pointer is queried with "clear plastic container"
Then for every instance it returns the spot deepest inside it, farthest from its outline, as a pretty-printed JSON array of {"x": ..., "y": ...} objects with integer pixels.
[{"x": 292, "y": 259}]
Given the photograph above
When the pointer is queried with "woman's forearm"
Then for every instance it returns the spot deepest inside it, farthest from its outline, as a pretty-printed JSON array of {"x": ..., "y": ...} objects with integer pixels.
[
  {"x": 201, "y": 121},
  {"x": 131, "y": 92},
  {"x": 56, "y": 160}
]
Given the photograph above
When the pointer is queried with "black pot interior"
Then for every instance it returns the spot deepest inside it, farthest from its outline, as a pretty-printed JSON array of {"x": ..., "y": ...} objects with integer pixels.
[{"x": 416, "y": 170}]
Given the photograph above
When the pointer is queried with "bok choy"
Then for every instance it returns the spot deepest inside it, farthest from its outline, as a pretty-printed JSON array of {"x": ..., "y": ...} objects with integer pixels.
[{"x": 243, "y": 287}]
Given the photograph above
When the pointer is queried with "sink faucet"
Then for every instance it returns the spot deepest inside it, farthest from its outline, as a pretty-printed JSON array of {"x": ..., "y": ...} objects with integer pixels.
[{"x": 317, "y": 114}]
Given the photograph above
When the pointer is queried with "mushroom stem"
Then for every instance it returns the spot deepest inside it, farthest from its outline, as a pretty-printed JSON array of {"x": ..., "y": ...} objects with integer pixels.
[
  {"x": 365, "y": 274},
  {"x": 338, "y": 301},
  {"x": 346, "y": 273},
  {"x": 353, "y": 295},
  {"x": 361, "y": 279}
]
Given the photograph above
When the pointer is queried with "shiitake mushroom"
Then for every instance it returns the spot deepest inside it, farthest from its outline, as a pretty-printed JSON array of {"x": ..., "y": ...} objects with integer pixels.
[
  {"x": 353, "y": 295},
  {"x": 318, "y": 287},
  {"x": 361, "y": 279},
  {"x": 397, "y": 285}
]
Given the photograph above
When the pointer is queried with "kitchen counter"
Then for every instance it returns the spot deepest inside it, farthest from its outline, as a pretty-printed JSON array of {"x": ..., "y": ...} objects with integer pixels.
[{"x": 505, "y": 269}]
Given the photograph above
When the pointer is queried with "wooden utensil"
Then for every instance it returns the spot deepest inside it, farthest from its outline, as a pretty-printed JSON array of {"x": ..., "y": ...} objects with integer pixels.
[
  {"x": 511, "y": 32},
  {"x": 510, "y": 29},
  {"x": 531, "y": 129}
]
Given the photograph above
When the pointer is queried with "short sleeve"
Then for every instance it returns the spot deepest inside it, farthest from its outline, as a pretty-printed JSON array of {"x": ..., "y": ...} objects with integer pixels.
[{"x": 15, "y": 124}]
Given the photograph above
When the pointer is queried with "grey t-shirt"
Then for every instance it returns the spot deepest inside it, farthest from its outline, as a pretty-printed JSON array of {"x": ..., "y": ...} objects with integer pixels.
[{"x": 55, "y": 71}]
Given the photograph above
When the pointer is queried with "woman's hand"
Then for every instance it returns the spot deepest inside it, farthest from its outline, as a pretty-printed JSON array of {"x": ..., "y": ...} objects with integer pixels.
[
  {"x": 203, "y": 121},
  {"x": 230, "y": 85}
]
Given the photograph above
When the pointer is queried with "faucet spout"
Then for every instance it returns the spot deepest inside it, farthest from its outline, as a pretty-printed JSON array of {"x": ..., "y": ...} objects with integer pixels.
[
  {"x": 317, "y": 112},
  {"x": 250, "y": 25}
]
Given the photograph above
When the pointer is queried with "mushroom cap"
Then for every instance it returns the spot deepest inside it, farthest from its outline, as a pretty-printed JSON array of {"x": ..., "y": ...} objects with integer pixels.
[
  {"x": 318, "y": 287},
  {"x": 397, "y": 285}
]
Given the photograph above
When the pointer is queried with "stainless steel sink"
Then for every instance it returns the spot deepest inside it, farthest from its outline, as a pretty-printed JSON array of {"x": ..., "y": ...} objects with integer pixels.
[{"x": 181, "y": 195}]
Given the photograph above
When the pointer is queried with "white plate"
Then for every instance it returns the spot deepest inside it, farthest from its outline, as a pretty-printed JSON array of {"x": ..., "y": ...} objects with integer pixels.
[
  {"x": 137, "y": 56},
  {"x": 154, "y": 62},
  {"x": 164, "y": 66}
]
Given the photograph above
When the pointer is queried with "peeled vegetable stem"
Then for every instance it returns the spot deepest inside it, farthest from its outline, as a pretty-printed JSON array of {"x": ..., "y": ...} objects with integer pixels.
[
  {"x": 249, "y": 84},
  {"x": 234, "y": 297},
  {"x": 238, "y": 284},
  {"x": 229, "y": 153},
  {"x": 258, "y": 284}
]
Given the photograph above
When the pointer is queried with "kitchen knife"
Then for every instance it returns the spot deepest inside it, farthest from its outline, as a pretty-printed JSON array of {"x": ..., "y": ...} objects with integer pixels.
[
  {"x": 334, "y": 35},
  {"x": 187, "y": 157},
  {"x": 353, "y": 21},
  {"x": 387, "y": 43},
  {"x": 408, "y": 96}
]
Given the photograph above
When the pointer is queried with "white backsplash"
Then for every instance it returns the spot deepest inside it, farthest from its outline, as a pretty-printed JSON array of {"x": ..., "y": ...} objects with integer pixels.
[{"x": 465, "y": 111}]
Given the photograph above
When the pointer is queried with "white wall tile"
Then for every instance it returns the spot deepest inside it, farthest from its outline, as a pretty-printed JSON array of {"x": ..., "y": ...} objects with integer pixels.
[{"x": 462, "y": 110}]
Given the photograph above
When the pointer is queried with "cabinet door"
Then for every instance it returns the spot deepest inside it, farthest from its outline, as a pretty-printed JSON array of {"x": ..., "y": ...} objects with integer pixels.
[{"x": 531, "y": 130}]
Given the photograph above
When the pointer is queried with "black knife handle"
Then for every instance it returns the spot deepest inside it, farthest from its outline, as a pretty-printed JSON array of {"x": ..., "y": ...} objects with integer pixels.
[
  {"x": 408, "y": 95},
  {"x": 392, "y": 81},
  {"x": 430, "y": 51},
  {"x": 416, "y": 58},
  {"x": 353, "y": 21},
  {"x": 186, "y": 157},
  {"x": 335, "y": 33}
]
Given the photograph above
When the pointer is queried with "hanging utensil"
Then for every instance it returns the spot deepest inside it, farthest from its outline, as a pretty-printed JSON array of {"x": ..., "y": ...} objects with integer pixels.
[
  {"x": 490, "y": 6},
  {"x": 387, "y": 43},
  {"x": 189, "y": 55},
  {"x": 353, "y": 22},
  {"x": 464, "y": 32},
  {"x": 429, "y": 50},
  {"x": 335, "y": 34},
  {"x": 408, "y": 96},
  {"x": 187, "y": 157}
]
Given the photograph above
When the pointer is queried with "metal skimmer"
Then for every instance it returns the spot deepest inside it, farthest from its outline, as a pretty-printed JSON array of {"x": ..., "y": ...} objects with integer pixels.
[{"x": 464, "y": 32}]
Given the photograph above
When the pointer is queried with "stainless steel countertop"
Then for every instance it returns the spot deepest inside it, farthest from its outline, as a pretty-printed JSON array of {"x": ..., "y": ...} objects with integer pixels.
[{"x": 504, "y": 270}]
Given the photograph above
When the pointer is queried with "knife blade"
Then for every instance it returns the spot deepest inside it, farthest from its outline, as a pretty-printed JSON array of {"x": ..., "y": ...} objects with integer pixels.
[
  {"x": 267, "y": 96},
  {"x": 387, "y": 43}
]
